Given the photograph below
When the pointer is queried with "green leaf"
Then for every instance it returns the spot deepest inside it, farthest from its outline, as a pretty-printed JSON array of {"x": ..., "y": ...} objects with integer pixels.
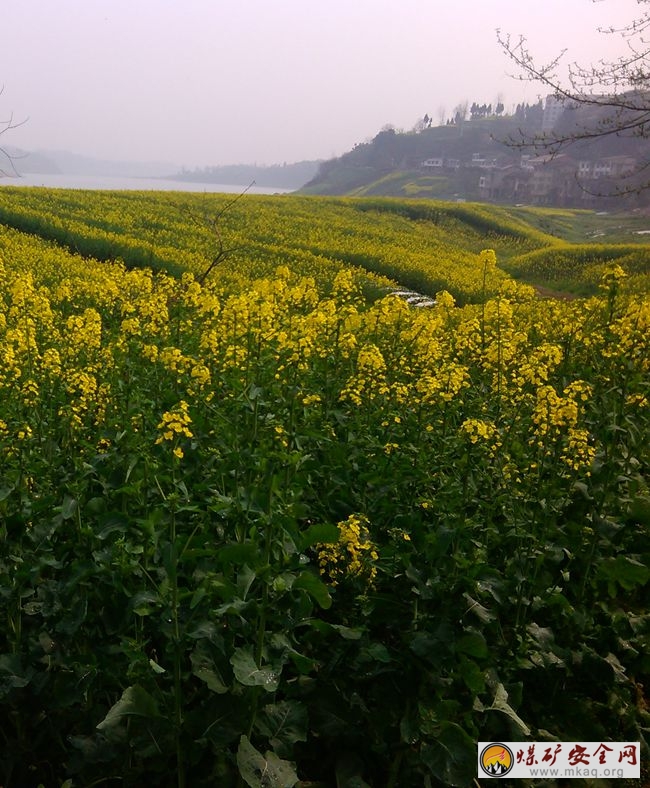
[
  {"x": 378, "y": 653},
  {"x": 319, "y": 533},
  {"x": 235, "y": 607},
  {"x": 197, "y": 597},
  {"x": 584, "y": 491},
  {"x": 314, "y": 586},
  {"x": 12, "y": 674},
  {"x": 451, "y": 756},
  {"x": 348, "y": 633},
  {"x": 68, "y": 507},
  {"x": 349, "y": 767},
  {"x": 245, "y": 578},
  {"x": 204, "y": 668},
  {"x": 207, "y": 630},
  {"x": 543, "y": 636},
  {"x": 96, "y": 505},
  {"x": 624, "y": 571},
  {"x": 473, "y": 644},
  {"x": 111, "y": 523},
  {"x": 47, "y": 643},
  {"x": 423, "y": 643},
  {"x": 238, "y": 553},
  {"x": 472, "y": 675},
  {"x": 263, "y": 771},
  {"x": 248, "y": 673},
  {"x": 156, "y": 667},
  {"x": 640, "y": 509},
  {"x": 433, "y": 646},
  {"x": 606, "y": 528},
  {"x": 484, "y": 615},
  {"x": 5, "y": 491},
  {"x": 501, "y": 704},
  {"x": 303, "y": 664},
  {"x": 409, "y": 726},
  {"x": 283, "y": 724},
  {"x": 135, "y": 702},
  {"x": 144, "y": 603}
]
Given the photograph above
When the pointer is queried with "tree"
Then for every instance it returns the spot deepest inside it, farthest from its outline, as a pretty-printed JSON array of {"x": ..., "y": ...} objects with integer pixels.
[
  {"x": 610, "y": 98},
  {"x": 214, "y": 225},
  {"x": 7, "y": 167},
  {"x": 460, "y": 112},
  {"x": 422, "y": 123}
]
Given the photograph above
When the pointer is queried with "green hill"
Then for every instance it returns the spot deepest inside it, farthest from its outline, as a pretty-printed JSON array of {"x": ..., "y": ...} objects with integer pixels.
[
  {"x": 472, "y": 160},
  {"x": 391, "y": 163}
]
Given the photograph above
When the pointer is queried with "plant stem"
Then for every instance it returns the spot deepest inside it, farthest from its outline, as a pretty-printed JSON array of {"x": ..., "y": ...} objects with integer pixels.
[{"x": 178, "y": 696}]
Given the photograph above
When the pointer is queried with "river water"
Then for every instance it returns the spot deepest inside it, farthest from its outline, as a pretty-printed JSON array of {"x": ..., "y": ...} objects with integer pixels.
[{"x": 119, "y": 183}]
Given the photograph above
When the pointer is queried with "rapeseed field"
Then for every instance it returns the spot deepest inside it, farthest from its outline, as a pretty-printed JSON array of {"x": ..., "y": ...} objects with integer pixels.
[{"x": 264, "y": 522}]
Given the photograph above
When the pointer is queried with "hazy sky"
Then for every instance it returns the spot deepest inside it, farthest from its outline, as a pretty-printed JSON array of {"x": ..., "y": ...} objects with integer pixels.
[{"x": 198, "y": 82}]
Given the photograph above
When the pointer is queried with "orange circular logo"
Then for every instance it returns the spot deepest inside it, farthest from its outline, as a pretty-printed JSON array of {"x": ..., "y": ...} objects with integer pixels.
[{"x": 496, "y": 759}]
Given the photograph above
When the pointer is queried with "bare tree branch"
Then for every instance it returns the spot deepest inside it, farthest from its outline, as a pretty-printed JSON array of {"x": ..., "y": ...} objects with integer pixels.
[
  {"x": 603, "y": 99},
  {"x": 5, "y": 156},
  {"x": 213, "y": 224}
]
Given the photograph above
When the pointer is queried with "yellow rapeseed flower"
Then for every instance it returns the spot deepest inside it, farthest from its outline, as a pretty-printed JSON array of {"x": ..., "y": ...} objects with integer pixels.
[
  {"x": 354, "y": 555},
  {"x": 175, "y": 424}
]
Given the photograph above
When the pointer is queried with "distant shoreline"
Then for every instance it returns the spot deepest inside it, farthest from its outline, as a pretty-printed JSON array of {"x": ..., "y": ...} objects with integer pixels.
[
  {"x": 131, "y": 183},
  {"x": 288, "y": 177}
]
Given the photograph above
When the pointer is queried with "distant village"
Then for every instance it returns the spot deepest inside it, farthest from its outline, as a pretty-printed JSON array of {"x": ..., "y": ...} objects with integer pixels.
[
  {"x": 484, "y": 153},
  {"x": 573, "y": 178},
  {"x": 558, "y": 179}
]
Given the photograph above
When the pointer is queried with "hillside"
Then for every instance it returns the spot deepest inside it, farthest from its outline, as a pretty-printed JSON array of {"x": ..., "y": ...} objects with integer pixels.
[
  {"x": 30, "y": 161},
  {"x": 471, "y": 160},
  {"x": 420, "y": 245}
]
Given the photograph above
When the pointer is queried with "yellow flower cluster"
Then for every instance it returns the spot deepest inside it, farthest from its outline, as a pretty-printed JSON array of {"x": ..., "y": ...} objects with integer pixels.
[
  {"x": 578, "y": 453},
  {"x": 369, "y": 380},
  {"x": 556, "y": 424},
  {"x": 613, "y": 276},
  {"x": 354, "y": 555},
  {"x": 174, "y": 425},
  {"x": 488, "y": 259},
  {"x": 553, "y": 412},
  {"x": 481, "y": 432}
]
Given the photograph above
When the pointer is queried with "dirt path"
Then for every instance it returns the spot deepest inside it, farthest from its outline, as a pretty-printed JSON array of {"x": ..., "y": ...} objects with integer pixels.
[{"x": 560, "y": 295}]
